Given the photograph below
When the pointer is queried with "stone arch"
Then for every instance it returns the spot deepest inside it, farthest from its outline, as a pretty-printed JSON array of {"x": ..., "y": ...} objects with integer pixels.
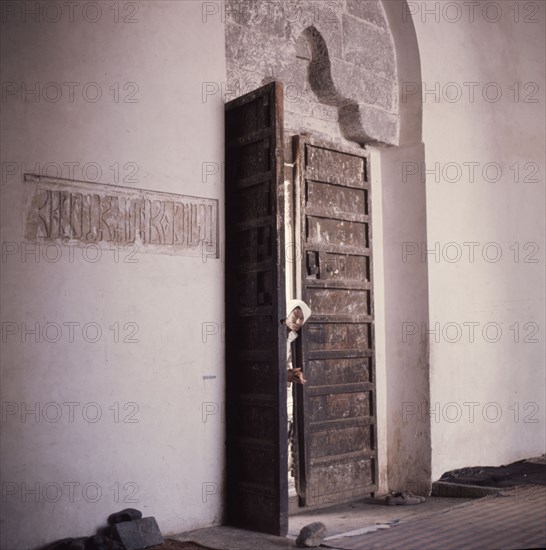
[{"x": 408, "y": 69}]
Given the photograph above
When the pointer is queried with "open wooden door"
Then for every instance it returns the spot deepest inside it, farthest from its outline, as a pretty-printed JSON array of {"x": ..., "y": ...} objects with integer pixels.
[
  {"x": 336, "y": 408},
  {"x": 257, "y": 493}
]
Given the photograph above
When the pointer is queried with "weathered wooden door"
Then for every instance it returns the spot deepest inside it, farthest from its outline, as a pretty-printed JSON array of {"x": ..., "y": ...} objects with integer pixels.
[
  {"x": 336, "y": 408},
  {"x": 257, "y": 486}
]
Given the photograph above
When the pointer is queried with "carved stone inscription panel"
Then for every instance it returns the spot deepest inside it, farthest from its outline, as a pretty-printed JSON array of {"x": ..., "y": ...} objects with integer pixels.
[{"x": 60, "y": 210}]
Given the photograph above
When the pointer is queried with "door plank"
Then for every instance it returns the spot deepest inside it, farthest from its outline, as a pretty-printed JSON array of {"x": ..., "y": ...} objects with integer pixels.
[{"x": 336, "y": 408}]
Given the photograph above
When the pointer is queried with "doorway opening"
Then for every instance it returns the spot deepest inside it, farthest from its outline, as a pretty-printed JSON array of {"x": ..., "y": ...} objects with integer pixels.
[{"x": 329, "y": 261}]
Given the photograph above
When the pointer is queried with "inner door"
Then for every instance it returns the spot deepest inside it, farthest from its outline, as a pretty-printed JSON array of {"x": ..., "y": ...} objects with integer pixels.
[
  {"x": 335, "y": 413},
  {"x": 257, "y": 485}
]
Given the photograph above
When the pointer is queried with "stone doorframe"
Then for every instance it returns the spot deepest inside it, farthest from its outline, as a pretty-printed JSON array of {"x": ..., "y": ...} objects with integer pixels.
[{"x": 351, "y": 74}]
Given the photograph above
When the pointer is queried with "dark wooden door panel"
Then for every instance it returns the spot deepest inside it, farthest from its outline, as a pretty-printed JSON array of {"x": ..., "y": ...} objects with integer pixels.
[
  {"x": 336, "y": 411},
  {"x": 255, "y": 344}
]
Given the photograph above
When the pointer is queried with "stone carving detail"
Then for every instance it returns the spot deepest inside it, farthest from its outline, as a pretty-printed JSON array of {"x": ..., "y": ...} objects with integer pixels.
[{"x": 61, "y": 210}]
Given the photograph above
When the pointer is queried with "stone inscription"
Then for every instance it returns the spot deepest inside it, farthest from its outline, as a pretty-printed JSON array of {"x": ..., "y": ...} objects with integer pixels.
[{"x": 60, "y": 210}]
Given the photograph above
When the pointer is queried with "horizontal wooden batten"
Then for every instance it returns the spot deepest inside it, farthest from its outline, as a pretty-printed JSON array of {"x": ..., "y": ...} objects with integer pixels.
[
  {"x": 324, "y": 319},
  {"x": 309, "y": 176},
  {"x": 253, "y": 137},
  {"x": 340, "y": 216},
  {"x": 342, "y": 423},
  {"x": 254, "y": 180},
  {"x": 340, "y": 388},
  {"x": 344, "y": 249},
  {"x": 329, "y": 248},
  {"x": 342, "y": 285},
  {"x": 253, "y": 224},
  {"x": 339, "y": 354},
  {"x": 320, "y": 213},
  {"x": 338, "y": 459}
]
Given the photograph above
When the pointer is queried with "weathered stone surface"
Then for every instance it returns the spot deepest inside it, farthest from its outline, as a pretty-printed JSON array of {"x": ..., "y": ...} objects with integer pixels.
[
  {"x": 309, "y": 106},
  {"x": 271, "y": 16},
  {"x": 92, "y": 213},
  {"x": 139, "y": 533},
  {"x": 311, "y": 535},
  {"x": 327, "y": 130},
  {"x": 303, "y": 50},
  {"x": 287, "y": 20},
  {"x": 127, "y": 514},
  {"x": 333, "y": 38},
  {"x": 362, "y": 85},
  {"x": 333, "y": 58},
  {"x": 260, "y": 51},
  {"x": 368, "y": 47},
  {"x": 362, "y": 124},
  {"x": 369, "y": 10}
]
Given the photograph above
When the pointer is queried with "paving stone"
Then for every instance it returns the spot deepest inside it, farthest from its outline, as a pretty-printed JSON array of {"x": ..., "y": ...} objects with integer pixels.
[
  {"x": 139, "y": 533},
  {"x": 513, "y": 519},
  {"x": 311, "y": 535}
]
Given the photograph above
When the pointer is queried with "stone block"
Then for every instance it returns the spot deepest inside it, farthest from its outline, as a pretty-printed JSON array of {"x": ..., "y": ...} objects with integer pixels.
[
  {"x": 241, "y": 82},
  {"x": 127, "y": 514},
  {"x": 368, "y": 46},
  {"x": 137, "y": 534},
  {"x": 270, "y": 16},
  {"x": 286, "y": 21},
  {"x": 251, "y": 48},
  {"x": 362, "y": 85},
  {"x": 368, "y": 10}
]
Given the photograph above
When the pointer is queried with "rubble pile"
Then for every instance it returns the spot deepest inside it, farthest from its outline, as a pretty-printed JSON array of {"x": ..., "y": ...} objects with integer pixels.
[{"x": 127, "y": 530}]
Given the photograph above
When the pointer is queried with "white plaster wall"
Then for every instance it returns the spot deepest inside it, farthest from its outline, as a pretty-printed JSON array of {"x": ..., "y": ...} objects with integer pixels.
[
  {"x": 400, "y": 293},
  {"x": 505, "y": 379},
  {"x": 170, "y": 455},
  {"x": 401, "y": 288}
]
